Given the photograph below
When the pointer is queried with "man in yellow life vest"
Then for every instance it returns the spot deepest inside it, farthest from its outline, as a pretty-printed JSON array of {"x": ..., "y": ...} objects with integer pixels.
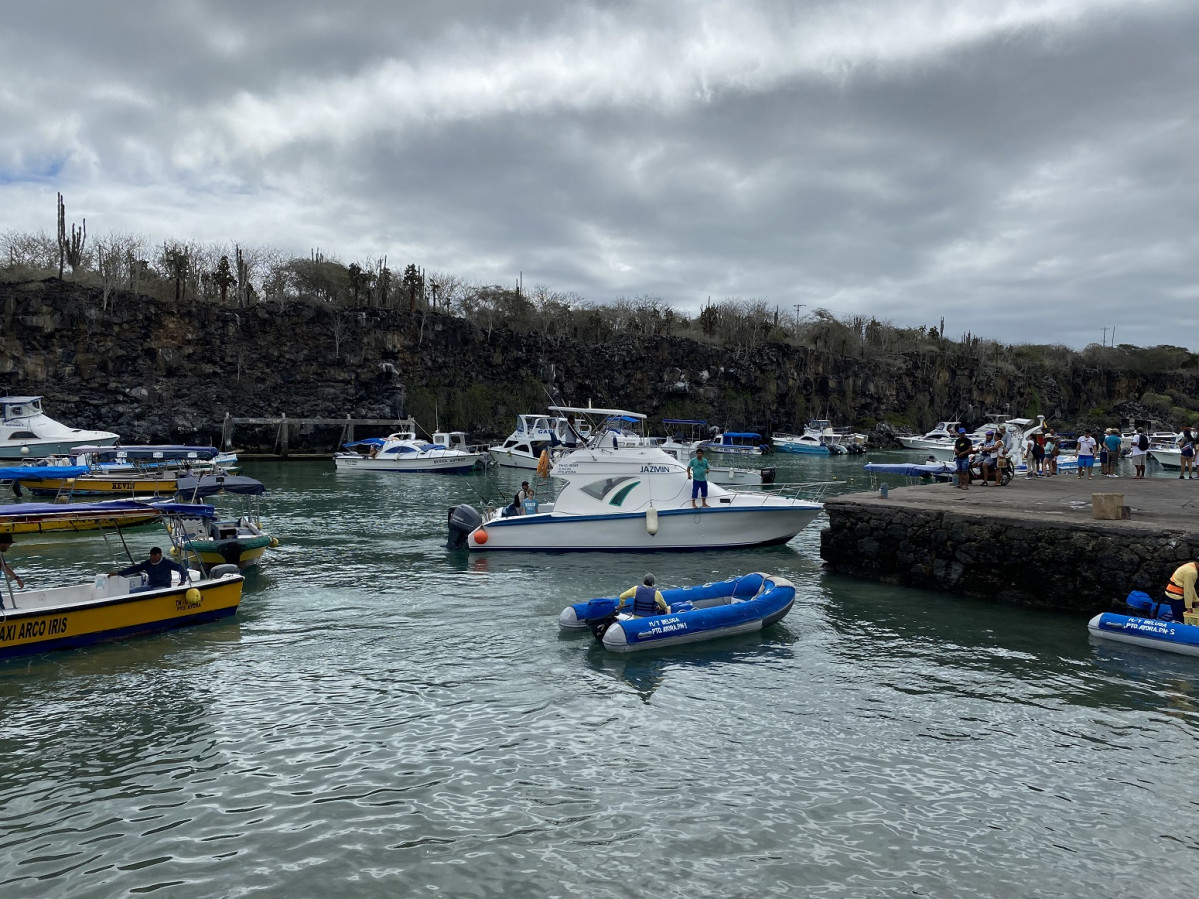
[
  {"x": 1180, "y": 592},
  {"x": 647, "y": 599}
]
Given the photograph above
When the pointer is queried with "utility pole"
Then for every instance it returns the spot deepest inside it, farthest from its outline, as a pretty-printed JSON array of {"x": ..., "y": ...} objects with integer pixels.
[
  {"x": 798, "y": 306},
  {"x": 1105, "y": 336}
]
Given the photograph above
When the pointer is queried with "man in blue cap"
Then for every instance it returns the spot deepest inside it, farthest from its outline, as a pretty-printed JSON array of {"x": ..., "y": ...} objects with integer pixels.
[{"x": 962, "y": 447}]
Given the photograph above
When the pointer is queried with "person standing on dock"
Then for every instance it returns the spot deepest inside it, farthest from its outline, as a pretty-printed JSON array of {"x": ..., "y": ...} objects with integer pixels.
[
  {"x": 1180, "y": 592},
  {"x": 962, "y": 447},
  {"x": 1140, "y": 449},
  {"x": 1186, "y": 449},
  {"x": 1111, "y": 442},
  {"x": 1086, "y": 455},
  {"x": 1001, "y": 454}
]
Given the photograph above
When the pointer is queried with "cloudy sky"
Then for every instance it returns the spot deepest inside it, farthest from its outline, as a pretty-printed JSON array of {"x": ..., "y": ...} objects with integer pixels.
[{"x": 1027, "y": 170}]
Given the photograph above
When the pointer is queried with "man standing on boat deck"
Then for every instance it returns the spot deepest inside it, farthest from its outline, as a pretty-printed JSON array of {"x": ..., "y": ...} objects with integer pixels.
[
  {"x": 526, "y": 492},
  {"x": 697, "y": 471},
  {"x": 5, "y": 546},
  {"x": 157, "y": 570},
  {"x": 647, "y": 599},
  {"x": 962, "y": 447},
  {"x": 1180, "y": 592}
]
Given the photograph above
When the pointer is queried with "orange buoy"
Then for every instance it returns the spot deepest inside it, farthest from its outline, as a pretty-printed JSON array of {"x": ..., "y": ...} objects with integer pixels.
[{"x": 480, "y": 536}]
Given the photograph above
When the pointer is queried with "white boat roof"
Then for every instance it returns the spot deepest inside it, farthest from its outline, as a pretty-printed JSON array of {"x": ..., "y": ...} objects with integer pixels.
[
  {"x": 19, "y": 399},
  {"x": 588, "y": 410}
]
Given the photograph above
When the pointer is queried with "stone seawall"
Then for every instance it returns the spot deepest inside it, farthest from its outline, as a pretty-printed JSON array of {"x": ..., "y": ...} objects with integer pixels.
[{"x": 1055, "y": 556}]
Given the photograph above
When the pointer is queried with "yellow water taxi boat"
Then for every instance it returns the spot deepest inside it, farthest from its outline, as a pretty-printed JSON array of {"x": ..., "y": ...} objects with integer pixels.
[{"x": 113, "y": 607}]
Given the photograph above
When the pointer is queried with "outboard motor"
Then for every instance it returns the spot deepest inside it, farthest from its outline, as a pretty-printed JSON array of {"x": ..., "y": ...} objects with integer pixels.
[
  {"x": 768, "y": 475},
  {"x": 462, "y": 520}
]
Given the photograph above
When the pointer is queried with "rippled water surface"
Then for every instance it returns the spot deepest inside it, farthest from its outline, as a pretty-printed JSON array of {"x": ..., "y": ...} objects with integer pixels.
[{"x": 383, "y": 718}]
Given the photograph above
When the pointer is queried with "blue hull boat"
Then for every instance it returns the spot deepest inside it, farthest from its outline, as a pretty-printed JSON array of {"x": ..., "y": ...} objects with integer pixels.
[
  {"x": 738, "y": 605},
  {"x": 1153, "y": 633}
]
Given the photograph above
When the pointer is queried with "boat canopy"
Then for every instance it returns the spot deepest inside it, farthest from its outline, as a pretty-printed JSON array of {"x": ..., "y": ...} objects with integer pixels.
[
  {"x": 42, "y": 472},
  {"x": 212, "y": 484},
  {"x": 740, "y": 435},
  {"x": 698, "y": 422},
  {"x": 25, "y": 510},
  {"x": 369, "y": 441}
]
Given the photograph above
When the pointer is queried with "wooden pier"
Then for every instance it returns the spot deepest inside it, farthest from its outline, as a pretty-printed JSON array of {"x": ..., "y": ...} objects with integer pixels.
[
  {"x": 284, "y": 425},
  {"x": 1034, "y": 542}
]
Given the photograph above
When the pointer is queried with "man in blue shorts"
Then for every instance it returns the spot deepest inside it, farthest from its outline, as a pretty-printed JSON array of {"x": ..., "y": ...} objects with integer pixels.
[
  {"x": 1086, "y": 455},
  {"x": 697, "y": 471}
]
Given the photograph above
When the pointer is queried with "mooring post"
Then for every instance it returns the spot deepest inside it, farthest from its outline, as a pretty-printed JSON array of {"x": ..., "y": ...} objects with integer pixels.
[
  {"x": 283, "y": 435},
  {"x": 227, "y": 433}
]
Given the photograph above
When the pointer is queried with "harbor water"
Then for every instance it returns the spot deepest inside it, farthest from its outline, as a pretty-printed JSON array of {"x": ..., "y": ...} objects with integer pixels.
[{"x": 385, "y": 718}]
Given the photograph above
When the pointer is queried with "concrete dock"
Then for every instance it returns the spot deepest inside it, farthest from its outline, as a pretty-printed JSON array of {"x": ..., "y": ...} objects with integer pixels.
[{"x": 1034, "y": 542}]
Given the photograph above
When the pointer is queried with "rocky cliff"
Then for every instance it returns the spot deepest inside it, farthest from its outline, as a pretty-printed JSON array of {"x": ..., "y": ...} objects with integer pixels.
[{"x": 155, "y": 371}]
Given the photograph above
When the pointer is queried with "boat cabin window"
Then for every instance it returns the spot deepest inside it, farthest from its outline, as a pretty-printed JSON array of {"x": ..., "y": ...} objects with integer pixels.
[
  {"x": 22, "y": 435},
  {"x": 618, "y": 488}
]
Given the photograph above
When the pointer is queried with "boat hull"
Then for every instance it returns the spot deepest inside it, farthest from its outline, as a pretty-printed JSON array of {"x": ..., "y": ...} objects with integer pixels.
[
  {"x": 509, "y": 459},
  {"x": 677, "y": 529},
  {"x": 87, "y": 485},
  {"x": 440, "y": 464},
  {"x": 102, "y": 617},
  {"x": 1151, "y": 633},
  {"x": 802, "y": 448},
  {"x": 242, "y": 551},
  {"x": 108, "y": 521}
]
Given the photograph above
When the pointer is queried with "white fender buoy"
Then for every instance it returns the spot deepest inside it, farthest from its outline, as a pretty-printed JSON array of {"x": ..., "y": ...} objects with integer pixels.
[{"x": 651, "y": 521}]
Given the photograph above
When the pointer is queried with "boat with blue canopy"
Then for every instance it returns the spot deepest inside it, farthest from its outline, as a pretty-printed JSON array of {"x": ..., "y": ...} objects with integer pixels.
[
  {"x": 41, "y": 518},
  {"x": 738, "y": 605}
]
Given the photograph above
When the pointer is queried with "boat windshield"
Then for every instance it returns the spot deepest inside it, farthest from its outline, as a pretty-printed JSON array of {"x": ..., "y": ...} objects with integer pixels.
[{"x": 620, "y": 485}]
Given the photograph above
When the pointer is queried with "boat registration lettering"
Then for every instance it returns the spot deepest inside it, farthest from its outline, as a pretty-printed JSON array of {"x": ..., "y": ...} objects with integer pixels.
[
  {"x": 123, "y": 485},
  {"x": 31, "y": 630},
  {"x": 656, "y": 469},
  {"x": 667, "y": 626},
  {"x": 183, "y": 604},
  {"x": 1150, "y": 626}
]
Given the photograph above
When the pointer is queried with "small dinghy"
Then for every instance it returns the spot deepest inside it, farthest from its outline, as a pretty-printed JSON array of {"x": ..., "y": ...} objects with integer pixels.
[
  {"x": 739, "y": 605},
  {"x": 1147, "y": 630}
]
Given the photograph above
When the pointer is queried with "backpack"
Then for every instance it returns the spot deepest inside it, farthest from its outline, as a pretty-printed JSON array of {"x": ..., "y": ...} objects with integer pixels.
[{"x": 1143, "y": 442}]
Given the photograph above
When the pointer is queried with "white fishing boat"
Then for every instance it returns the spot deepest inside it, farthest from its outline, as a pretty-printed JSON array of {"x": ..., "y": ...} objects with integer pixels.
[
  {"x": 403, "y": 452},
  {"x": 26, "y": 432},
  {"x": 534, "y": 435},
  {"x": 818, "y": 438},
  {"x": 735, "y": 443},
  {"x": 620, "y": 497},
  {"x": 938, "y": 440}
]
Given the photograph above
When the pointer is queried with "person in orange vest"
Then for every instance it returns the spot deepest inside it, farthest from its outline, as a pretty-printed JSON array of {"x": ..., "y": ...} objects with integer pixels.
[{"x": 1180, "y": 592}]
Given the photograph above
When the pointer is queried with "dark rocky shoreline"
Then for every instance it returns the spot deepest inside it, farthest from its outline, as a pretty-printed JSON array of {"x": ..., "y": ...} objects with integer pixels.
[{"x": 158, "y": 372}]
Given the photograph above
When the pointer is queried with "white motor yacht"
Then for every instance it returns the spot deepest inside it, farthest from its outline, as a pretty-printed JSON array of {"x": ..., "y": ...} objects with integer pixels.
[
  {"x": 26, "y": 432},
  {"x": 632, "y": 497},
  {"x": 402, "y": 451}
]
